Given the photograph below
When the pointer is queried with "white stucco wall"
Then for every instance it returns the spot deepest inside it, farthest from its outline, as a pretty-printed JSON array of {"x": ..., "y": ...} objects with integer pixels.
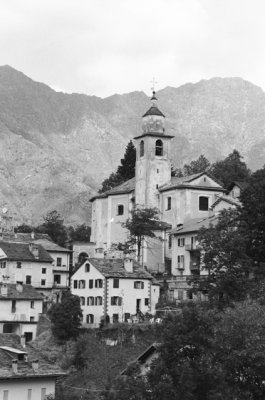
[{"x": 18, "y": 389}]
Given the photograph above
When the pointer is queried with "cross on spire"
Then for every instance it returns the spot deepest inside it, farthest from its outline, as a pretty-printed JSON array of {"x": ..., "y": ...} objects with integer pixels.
[{"x": 153, "y": 81}]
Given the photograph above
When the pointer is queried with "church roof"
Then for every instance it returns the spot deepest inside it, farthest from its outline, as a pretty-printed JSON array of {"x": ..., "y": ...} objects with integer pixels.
[
  {"x": 153, "y": 111},
  {"x": 125, "y": 187},
  {"x": 185, "y": 181}
]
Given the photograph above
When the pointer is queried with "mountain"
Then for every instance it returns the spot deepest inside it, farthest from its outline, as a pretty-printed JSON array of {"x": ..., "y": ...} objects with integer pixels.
[{"x": 56, "y": 148}]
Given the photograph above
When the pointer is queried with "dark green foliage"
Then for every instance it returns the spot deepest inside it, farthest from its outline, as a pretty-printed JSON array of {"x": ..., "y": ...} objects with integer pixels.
[
  {"x": 66, "y": 317},
  {"x": 231, "y": 169},
  {"x": 54, "y": 227},
  {"x": 224, "y": 257},
  {"x": 124, "y": 172},
  {"x": 253, "y": 215},
  {"x": 196, "y": 166},
  {"x": 142, "y": 223},
  {"x": 80, "y": 233},
  {"x": 24, "y": 228}
]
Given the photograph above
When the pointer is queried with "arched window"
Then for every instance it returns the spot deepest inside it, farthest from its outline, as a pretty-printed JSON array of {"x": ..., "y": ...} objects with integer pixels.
[
  {"x": 90, "y": 301},
  {"x": 98, "y": 283},
  {"x": 98, "y": 301},
  {"x": 141, "y": 148},
  {"x": 81, "y": 284},
  {"x": 82, "y": 301},
  {"x": 90, "y": 319},
  {"x": 159, "y": 148}
]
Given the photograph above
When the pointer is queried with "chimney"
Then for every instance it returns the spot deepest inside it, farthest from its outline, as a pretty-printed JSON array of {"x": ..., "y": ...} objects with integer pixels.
[
  {"x": 32, "y": 235},
  {"x": 34, "y": 249},
  {"x": 128, "y": 264},
  {"x": 4, "y": 289},
  {"x": 23, "y": 341},
  {"x": 35, "y": 365},
  {"x": 14, "y": 366},
  {"x": 19, "y": 287}
]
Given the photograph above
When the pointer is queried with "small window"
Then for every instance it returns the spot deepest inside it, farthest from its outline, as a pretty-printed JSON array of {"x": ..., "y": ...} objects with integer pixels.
[
  {"x": 169, "y": 241},
  {"x": 98, "y": 283},
  {"x": 29, "y": 394},
  {"x": 43, "y": 271},
  {"x": 159, "y": 148},
  {"x": 18, "y": 264},
  {"x": 146, "y": 302},
  {"x": 203, "y": 203},
  {"x": 82, "y": 284},
  {"x": 57, "y": 279},
  {"x": 168, "y": 203},
  {"x": 157, "y": 186},
  {"x": 32, "y": 319},
  {"x": 98, "y": 301},
  {"x": 32, "y": 304},
  {"x": 87, "y": 267},
  {"x": 90, "y": 283},
  {"x": 181, "y": 261},
  {"x": 120, "y": 209},
  {"x": 127, "y": 316},
  {"x": 116, "y": 301},
  {"x": 141, "y": 148},
  {"x": 13, "y": 306},
  {"x": 138, "y": 285},
  {"x": 28, "y": 279},
  {"x": 82, "y": 301},
  {"x": 43, "y": 282},
  {"x": 181, "y": 242},
  {"x": 90, "y": 301},
  {"x": 59, "y": 261},
  {"x": 3, "y": 264},
  {"x": 5, "y": 395},
  {"x": 116, "y": 283},
  {"x": 115, "y": 318},
  {"x": 75, "y": 284},
  {"x": 43, "y": 393},
  {"x": 90, "y": 319}
]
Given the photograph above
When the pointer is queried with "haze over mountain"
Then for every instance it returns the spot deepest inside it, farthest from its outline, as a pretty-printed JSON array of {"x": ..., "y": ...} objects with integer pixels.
[{"x": 56, "y": 148}]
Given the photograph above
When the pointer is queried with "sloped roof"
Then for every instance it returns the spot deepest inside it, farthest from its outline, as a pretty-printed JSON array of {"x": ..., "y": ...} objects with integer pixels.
[
  {"x": 185, "y": 181},
  {"x": 226, "y": 199},
  {"x": 141, "y": 359},
  {"x": 241, "y": 184},
  {"x": 51, "y": 246},
  {"x": 25, "y": 370},
  {"x": 114, "y": 268},
  {"x": 28, "y": 293},
  {"x": 125, "y": 187},
  {"x": 24, "y": 237},
  {"x": 153, "y": 110},
  {"x": 193, "y": 225},
  {"x": 21, "y": 252}
]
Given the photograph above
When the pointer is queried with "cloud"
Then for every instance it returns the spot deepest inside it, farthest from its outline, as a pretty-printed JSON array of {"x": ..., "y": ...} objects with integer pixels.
[{"x": 105, "y": 46}]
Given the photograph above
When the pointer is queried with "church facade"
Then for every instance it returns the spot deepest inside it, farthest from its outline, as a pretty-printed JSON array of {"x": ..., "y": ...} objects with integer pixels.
[{"x": 177, "y": 199}]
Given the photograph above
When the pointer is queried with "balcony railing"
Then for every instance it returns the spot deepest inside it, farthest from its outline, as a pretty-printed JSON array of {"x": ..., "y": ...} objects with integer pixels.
[{"x": 192, "y": 247}]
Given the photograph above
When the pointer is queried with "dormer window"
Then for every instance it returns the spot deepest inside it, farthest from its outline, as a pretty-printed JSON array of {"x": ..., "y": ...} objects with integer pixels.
[
  {"x": 120, "y": 209},
  {"x": 159, "y": 148},
  {"x": 141, "y": 148}
]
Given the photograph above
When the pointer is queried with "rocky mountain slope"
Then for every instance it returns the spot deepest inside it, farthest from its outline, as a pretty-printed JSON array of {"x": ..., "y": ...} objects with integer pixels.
[{"x": 56, "y": 148}]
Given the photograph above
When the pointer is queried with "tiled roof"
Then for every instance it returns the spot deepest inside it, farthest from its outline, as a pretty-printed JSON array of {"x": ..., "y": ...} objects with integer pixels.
[
  {"x": 125, "y": 187},
  {"x": 51, "y": 246},
  {"x": 193, "y": 225},
  {"x": 21, "y": 252},
  {"x": 114, "y": 268},
  {"x": 227, "y": 199},
  {"x": 153, "y": 111},
  {"x": 241, "y": 184},
  {"x": 25, "y": 370},
  {"x": 185, "y": 181},
  {"x": 28, "y": 292}
]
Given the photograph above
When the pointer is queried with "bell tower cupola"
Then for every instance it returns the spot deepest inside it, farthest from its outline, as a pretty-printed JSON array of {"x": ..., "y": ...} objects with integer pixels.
[{"x": 153, "y": 166}]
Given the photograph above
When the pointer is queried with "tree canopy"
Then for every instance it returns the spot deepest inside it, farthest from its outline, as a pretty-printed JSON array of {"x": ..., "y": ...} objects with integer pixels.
[
  {"x": 66, "y": 317},
  {"x": 125, "y": 171},
  {"x": 54, "y": 226}
]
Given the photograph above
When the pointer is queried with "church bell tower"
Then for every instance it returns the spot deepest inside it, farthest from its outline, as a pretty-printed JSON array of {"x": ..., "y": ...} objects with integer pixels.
[{"x": 153, "y": 167}]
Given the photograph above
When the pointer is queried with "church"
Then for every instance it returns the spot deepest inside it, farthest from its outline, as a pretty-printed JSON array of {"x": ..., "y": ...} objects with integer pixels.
[{"x": 178, "y": 200}]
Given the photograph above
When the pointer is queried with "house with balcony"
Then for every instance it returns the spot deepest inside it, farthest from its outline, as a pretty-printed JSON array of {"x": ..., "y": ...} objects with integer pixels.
[
  {"x": 24, "y": 373},
  {"x": 114, "y": 290},
  {"x": 20, "y": 308}
]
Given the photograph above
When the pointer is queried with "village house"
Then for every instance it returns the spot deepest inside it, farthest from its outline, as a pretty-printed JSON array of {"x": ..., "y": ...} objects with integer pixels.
[
  {"x": 28, "y": 264},
  {"x": 114, "y": 290},
  {"x": 24, "y": 374},
  {"x": 144, "y": 360},
  {"x": 177, "y": 199},
  {"x": 20, "y": 308}
]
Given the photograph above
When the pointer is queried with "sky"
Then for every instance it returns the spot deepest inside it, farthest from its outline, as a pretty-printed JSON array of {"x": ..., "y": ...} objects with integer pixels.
[{"x": 103, "y": 47}]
